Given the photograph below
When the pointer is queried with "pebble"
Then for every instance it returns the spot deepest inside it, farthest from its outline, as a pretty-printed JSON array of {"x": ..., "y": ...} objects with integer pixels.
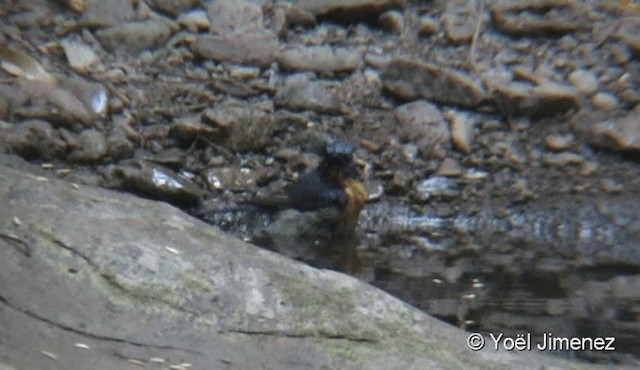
[
  {"x": 241, "y": 127},
  {"x": 33, "y": 139},
  {"x": 173, "y": 7},
  {"x": 461, "y": 131},
  {"x": 605, "y": 101},
  {"x": 422, "y": 123},
  {"x": 254, "y": 47},
  {"x": 134, "y": 37},
  {"x": 89, "y": 146},
  {"x": 107, "y": 13},
  {"x": 459, "y": 20},
  {"x": 427, "y": 26},
  {"x": 92, "y": 95},
  {"x": 300, "y": 92},
  {"x": 351, "y": 11},
  {"x": 321, "y": 59},
  {"x": 154, "y": 181},
  {"x": 562, "y": 159},
  {"x": 449, "y": 167},
  {"x": 556, "y": 16},
  {"x": 437, "y": 187},
  {"x": 230, "y": 16},
  {"x": 392, "y": 20},
  {"x": 79, "y": 55},
  {"x": 54, "y": 104},
  {"x": 618, "y": 133},
  {"x": 194, "y": 21},
  {"x": 559, "y": 141},
  {"x": 409, "y": 79},
  {"x": 548, "y": 99},
  {"x": 585, "y": 81}
]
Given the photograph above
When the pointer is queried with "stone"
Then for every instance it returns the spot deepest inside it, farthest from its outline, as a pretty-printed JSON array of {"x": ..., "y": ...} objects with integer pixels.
[
  {"x": 459, "y": 20},
  {"x": 461, "y": 131},
  {"x": 194, "y": 21},
  {"x": 411, "y": 79},
  {"x": 153, "y": 181},
  {"x": 615, "y": 133},
  {"x": 134, "y": 37},
  {"x": 33, "y": 139},
  {"x": 348, "y": 10},
  {"x": 89, "y": 146},
  {"x": 100, "y": 13},
  {"x": 559, "y": 141},
  {"x": 537, "y": 17},
  {"x": 392, "y": 20},
  {"x": 255, "y": 47},
  {"x": 230, "y": 16},
  {"x": 109, "y": 271},
  {"x": 546, "y": 100},
  {"x": 79, "y": 55},
  {"x": 605, "y": 101},
  {"x": 585, "y": 81},
  {"x": 629, "y": 33},
  {"x": 322, "y": 59},
  {"x": 422, "y": 123},
  {"x": 54, "y": 104},
  {"x": 239, "y": 127},
  {"x": 173, "y": 7},
  {"x": 300, "y": 92}
]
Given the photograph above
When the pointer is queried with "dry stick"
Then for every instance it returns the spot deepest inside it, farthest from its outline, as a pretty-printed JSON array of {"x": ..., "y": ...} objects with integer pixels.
[{"x": 476, "y": 35}]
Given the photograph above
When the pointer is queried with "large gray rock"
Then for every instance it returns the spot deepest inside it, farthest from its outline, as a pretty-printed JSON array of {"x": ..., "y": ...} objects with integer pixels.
[{"x": 94, "y": 279}]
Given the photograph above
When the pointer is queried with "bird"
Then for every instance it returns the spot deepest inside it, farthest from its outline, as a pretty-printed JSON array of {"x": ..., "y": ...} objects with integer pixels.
[{"x": 327, "y": 203}]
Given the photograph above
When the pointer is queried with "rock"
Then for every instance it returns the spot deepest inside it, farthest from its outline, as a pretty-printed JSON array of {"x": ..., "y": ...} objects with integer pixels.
[
  {"x": 110, "y": 272},
  {"x": 449, "y": 167},
  {"x": 92, "y": 95},
  {"x": 153, "y": 181},
  {"x": 107, "y": 13},
  {"x": 540, "y": 16},
  {"x": 232, "y": 178},
  {"x": 427, "y": 26},
  {"x": 392, "y": 20},
  {"x": 174, "y": 7},
  {"x": 629, "y": 33},
  {"x": 296, "y": 16},
  {"x": 79, "y": 55},
  {"x": 194, "y": 21},
  {"x": 257, "y": 47},
  {"x": 89, "y": 146},
  {"x": 134, "y": 37},
  {"x": 562, "y": 159},
  {"x": 459, "y": 20},
  {"x": 605, "y": 101},
  {"x": 190, "y": 129},
  {"x": 349, "y": 11},
  {"x": 585, "y": 81},
  {"x": 32, "y": 139},
  {"x": 119, "y": 146},
  {"x": 231, "y": 16},
  {"x": 241, "y": 128},
  {"x": 461, "y": 131},
  {"x": 322, "y": 59},
  {"x": 422, "y": 122},
  {"x": 559, "y": 141},
  {"x": 54, "y": 104},
  {"x": 410, "y": 79},
  {"x": 437, "y": 187},
  {"x": 617, "y": 133},
  {"x": 518, "y": 99},
  {"x": 299, "y": 92}
]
